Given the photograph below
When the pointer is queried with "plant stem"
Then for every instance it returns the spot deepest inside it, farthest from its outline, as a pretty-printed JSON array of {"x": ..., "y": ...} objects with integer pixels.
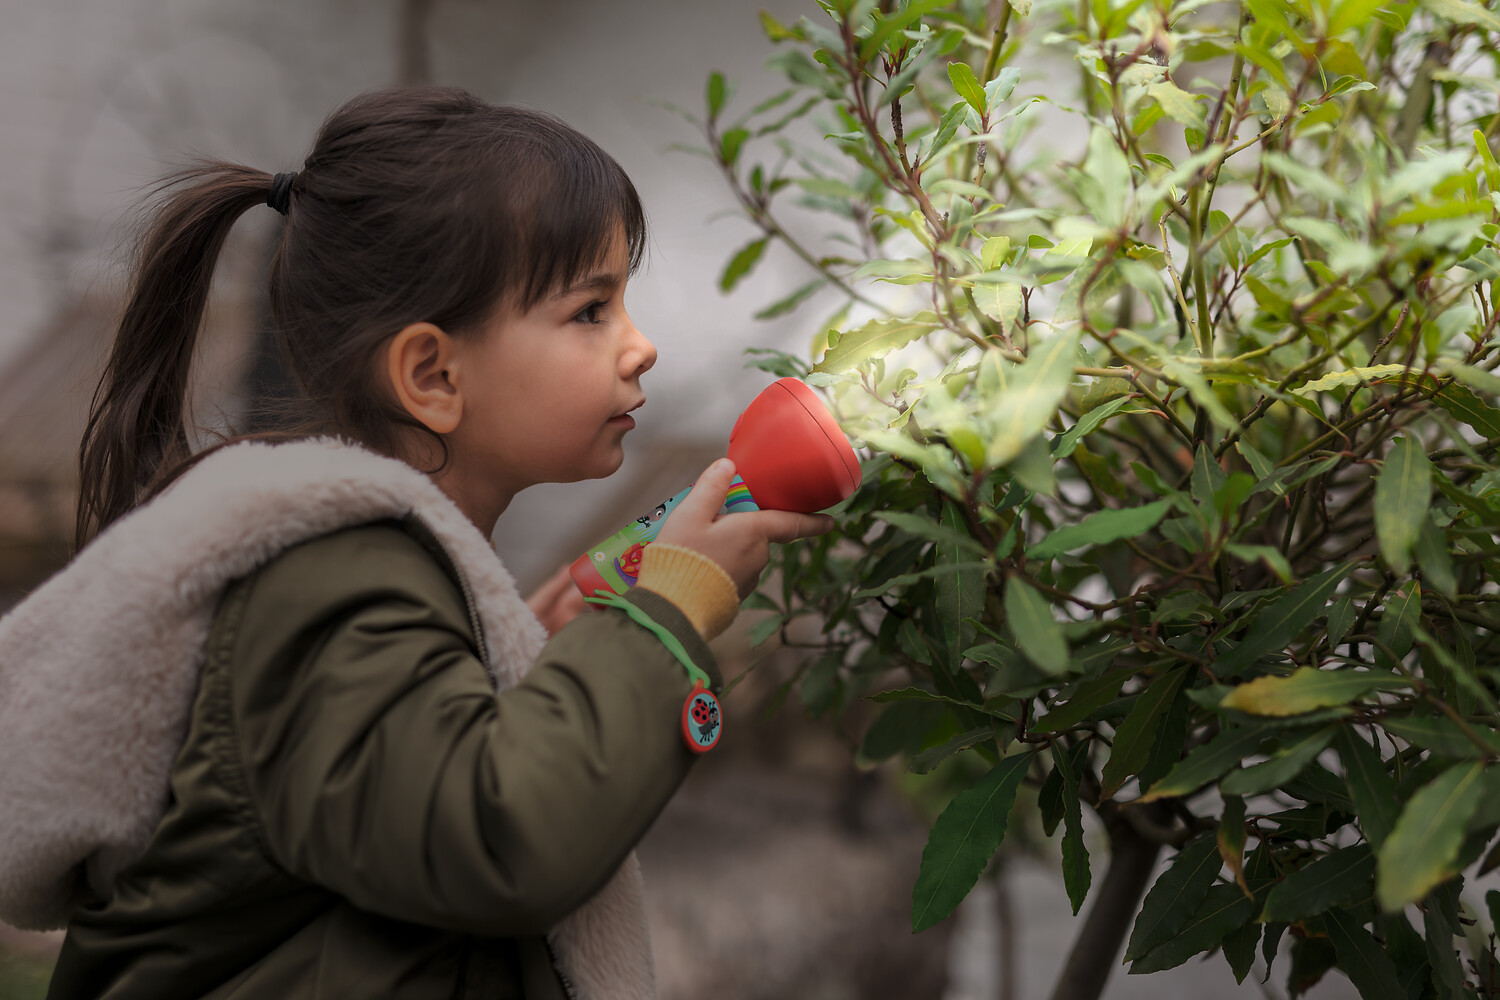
[{"x": 1132, "y": 857}]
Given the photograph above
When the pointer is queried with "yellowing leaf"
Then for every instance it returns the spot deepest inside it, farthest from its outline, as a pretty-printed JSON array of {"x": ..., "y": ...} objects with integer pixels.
[
  {"x": 1354, "y": 376},
  {"x": 1307, "y": 690}
]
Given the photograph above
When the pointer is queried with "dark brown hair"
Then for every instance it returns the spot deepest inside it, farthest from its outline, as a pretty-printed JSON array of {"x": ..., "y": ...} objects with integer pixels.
[{"x": 418, "y": 204}]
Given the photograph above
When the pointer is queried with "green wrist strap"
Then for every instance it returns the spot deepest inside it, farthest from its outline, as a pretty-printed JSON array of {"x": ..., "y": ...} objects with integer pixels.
[{"x": 639, "y": 616}]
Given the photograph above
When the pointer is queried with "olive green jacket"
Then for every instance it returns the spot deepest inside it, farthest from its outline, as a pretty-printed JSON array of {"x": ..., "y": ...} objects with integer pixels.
[{"x": 352, "y": 810}]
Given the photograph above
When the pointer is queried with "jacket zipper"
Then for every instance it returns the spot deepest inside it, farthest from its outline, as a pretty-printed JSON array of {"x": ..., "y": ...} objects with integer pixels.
[{"x": 463, "y": 586}]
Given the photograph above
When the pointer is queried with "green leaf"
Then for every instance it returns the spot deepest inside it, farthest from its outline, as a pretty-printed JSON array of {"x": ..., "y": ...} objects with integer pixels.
[
  {"x": 1351, "y": 14},
  {"x": 998, "y": 90},
  {"x": 783, "y": 306},
  {"x": 962, "y": 841},
  {"x": 1284, "y": 765},
  {"x": 928, "y": 759},
  {"x": 717, "y": 91},
  {"x": 875, "y": 339},
  {"x": 1223, "y": 909},
  {"x": 1440, "y": 927},
  {"x": 1470, "y": 409},
  {"x": 1473, "y": 377},
  {"x": 1442, "y": 736},
  {"x": 897, "y": 20},
  {"x": 1461, "y": 672},
  {"x": 1068, "y": 440},
  {"x": 932, "y": 531},
  {"x": 1278, "y": 623},
  {"x": 1402, "y": 491},
  {"x": 1360, "y": 957},
  {"x": 1370, "y": 786},
  {"x": 1028, "y": 615},
  {"x": 1308, "y": 689},
  {"x": 900, "y": 729},
  {"x": 1423, "y": 845},
  {"x": 1327, "y": 881},
  {"x": 1341, "y": 615},
  {"x": 948, "y": 126},
  {"x": 958, "y": 596},
  {"x": 1487, "y": 159},
  {"x": 1023, "y": 398},
  {"x": 1000, "y": 301},
  {"x": 1464, "y": 12},
  {"x": 1179, "y": 105},
  {"x": 1176, "y": 895},
  {"x": 1087, "y": 699},
  {"x": 1100, "y": 528},
  {"x": 967, "y": 86},
  {"x": 730, "y": 143},
  {"x": 1207, "y": 763},
  {"x": 1136, "y": 734},
  {"x": 1273, "y": 557},
  {"x": 905, "y": 579},
  {"x": 1402, "y": 612},
  {"x": 921, "y": 694},
  {"x": 741, "y": 263},
  {"x": 1239, "y": 950},
  {"x": 1434, "y": 559},
  {"x": 1075, "y": 855},
  {"x": 994, "y": 252}
]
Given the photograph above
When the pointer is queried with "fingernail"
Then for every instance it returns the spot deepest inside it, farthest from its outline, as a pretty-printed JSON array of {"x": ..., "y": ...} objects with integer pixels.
[{"x": 724, "y": 465}]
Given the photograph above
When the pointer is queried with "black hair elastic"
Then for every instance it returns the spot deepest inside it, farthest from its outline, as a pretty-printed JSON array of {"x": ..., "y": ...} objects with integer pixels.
[{"x": 280, "y": 196}]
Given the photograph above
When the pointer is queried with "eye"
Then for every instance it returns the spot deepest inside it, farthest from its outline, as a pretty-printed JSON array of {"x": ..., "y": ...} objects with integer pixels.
[{"x": 590, "y": 313}]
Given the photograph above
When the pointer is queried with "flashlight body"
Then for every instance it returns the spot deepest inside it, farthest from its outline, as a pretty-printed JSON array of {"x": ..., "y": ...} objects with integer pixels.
[{"x": 615, "y": 563}]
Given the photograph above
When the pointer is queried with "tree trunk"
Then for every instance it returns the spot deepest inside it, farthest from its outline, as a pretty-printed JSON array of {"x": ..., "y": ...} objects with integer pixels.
[{"x": 1097, "y": 947}]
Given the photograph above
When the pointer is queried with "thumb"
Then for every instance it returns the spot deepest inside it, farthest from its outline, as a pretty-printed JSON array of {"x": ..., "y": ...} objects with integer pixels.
[{"x": 708, "y": 494}]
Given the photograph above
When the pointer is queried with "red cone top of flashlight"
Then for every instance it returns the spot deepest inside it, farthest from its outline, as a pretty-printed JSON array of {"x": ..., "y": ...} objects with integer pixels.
[{"x": 790, "y": 451}]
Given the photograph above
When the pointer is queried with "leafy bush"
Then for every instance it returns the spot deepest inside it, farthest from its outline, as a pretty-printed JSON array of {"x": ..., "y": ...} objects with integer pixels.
[{"x": 1182, "y": 493}]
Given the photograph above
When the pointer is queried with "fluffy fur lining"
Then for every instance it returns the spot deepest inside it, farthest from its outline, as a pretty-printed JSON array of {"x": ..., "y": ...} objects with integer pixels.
[{"x": 99, "y": 665}]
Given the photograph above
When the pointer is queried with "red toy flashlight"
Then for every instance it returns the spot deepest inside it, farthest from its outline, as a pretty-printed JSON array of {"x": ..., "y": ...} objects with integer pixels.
[{"x": 789, "y": 454}]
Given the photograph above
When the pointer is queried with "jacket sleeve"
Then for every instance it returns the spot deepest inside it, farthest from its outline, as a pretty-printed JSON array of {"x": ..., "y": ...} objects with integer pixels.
[{"x": 378, "y": 761}]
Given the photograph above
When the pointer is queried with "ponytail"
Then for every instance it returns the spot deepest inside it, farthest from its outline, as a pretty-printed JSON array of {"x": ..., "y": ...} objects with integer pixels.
[{"x": 136, "y": 432}]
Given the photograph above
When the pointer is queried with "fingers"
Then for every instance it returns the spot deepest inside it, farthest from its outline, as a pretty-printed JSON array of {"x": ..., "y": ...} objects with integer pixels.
[
  {"x": 785, "y": 525},
  {"x": 708, "y": 494},
  {"x": 550, "y": 588}
]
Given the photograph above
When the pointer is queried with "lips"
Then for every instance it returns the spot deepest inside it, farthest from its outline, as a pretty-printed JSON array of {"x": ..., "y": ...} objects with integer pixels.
[{"x": 622, "y": 413}]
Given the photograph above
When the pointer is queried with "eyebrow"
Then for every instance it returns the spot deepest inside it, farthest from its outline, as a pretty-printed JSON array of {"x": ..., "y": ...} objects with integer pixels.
[{"x": 593, "y": 283}]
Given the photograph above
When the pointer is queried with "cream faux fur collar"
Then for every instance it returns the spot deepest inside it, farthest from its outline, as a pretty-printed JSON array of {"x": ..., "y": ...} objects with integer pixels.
[{"x": 99, "y": 665}]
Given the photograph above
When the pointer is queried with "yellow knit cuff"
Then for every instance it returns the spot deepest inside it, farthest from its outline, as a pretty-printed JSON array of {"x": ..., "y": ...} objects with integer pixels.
[{"x": 699, "y": 587}]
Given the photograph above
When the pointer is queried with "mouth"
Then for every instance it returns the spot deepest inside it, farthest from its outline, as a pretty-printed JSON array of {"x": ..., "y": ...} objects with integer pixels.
[{"x": 624, "y": 419}]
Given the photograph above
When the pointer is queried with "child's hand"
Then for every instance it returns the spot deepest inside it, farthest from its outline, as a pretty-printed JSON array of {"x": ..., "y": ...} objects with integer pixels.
[
  {"x": 557, "y": 601},
  {"x": 738, "y": 542}
]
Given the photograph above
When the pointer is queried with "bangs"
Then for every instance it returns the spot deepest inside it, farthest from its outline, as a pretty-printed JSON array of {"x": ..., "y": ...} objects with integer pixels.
[{"x": 577, "y": 205}]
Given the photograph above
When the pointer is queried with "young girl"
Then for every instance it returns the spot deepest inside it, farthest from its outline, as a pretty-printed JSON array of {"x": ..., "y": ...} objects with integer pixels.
[{"x": 283, "y": 728}]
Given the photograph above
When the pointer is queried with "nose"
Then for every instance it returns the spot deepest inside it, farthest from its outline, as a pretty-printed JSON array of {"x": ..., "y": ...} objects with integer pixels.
[{"x": 639, "y": 354}]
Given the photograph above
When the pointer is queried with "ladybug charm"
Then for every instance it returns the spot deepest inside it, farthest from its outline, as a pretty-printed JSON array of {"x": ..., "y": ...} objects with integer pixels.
[{"x": 702, "y": 720}]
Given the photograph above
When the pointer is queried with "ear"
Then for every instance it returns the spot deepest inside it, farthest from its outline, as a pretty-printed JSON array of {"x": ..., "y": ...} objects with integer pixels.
[{"x": 418, "y": 363}]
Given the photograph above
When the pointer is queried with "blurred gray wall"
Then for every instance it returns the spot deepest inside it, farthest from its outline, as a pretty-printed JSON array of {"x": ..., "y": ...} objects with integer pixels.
[{"x": 99, "y": 98}]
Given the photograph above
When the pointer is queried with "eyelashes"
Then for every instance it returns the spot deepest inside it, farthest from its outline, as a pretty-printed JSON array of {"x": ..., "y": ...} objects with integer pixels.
[{"x": 589, "y": 314}]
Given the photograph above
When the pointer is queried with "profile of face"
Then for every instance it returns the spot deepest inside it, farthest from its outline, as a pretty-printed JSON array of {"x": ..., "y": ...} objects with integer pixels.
[{"x": 540, "y": 389}]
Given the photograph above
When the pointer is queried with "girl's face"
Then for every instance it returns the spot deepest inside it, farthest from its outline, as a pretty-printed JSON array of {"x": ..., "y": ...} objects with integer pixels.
[{"x": 543, "y": 388}]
